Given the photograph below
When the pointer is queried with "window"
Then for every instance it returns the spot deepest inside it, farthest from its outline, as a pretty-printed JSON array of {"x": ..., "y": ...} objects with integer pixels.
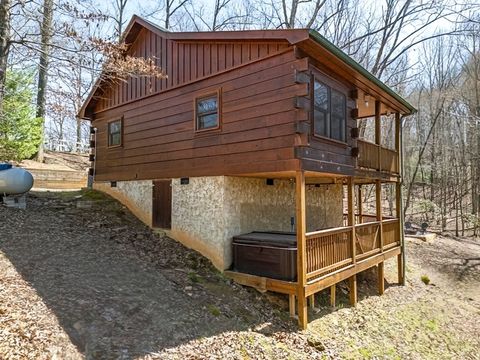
[
  {"x": 206, "y": 113},
  {"x": 115, "y": 133},
  {"x": 329, "y": 112}
]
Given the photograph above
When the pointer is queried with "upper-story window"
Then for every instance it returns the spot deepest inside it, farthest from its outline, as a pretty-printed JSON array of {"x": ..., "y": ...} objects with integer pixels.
[
  {"x": 115, "y": 132},
  {"x": 207, "y": 115},
  {"x": 329, "y": 112}
]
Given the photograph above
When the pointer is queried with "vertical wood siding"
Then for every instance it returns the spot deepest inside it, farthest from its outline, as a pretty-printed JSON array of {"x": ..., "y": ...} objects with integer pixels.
[{"x": 182, "y": 62}]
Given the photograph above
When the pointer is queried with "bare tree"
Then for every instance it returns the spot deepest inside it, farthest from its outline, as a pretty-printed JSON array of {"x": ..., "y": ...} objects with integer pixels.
[
  {"x": 46, "y": 37},
  {"x": 4, "y": 45}
]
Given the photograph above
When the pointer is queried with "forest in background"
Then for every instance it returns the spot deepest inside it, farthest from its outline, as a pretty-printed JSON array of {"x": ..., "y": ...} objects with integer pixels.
[{"x": 51, "y": 53}]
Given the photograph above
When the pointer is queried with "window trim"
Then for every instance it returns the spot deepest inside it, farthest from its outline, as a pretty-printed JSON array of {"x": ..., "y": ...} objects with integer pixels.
[
  {"x": 202, "y": 96},
  {"x": 326, "y": 82},
  {"x": 109, "y": 146}
]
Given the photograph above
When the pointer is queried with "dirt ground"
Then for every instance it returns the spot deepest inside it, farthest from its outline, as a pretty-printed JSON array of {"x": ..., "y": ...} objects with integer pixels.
[{"x": 80, "y": 277}]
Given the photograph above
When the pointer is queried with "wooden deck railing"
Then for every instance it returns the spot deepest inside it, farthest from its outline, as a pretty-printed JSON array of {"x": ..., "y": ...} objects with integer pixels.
[
  {"x": 364, "y": 218},
  {"x": 331, "y": 249},
  {"x": 376, "y": 157},
  {"x": 367, "y": 239},
  {"x": 328, "y": 250},
  {"x": 391, "y": 232}
]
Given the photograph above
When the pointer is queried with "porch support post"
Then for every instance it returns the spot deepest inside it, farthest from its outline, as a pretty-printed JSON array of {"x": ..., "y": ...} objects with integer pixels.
[
  {"x": 333, "y": 289},
  {"x": 398, "y": 130},
  {"x": 291, "y": 305},
  {"x": 378, "y": 132},
  {"x": 378, "y": 196},
  {"x": 351, "y": 215},
  {"x": 351, "y": 222},
  {"x": 399, "y": 230},
  {"x": 399, "y": 195},
  {"x": 381, "y": 278},
  {"x": 301, "y": 248},
  {"x": 352, "y": 281},
  {"x": 360, "y": 204}
]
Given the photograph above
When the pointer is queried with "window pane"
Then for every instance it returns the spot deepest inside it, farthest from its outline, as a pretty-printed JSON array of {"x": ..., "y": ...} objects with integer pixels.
[
  {"x": 338, "y": 115},
  {"x": 115, "y": 127},
  {"x": 320, "y": 95},
  {"x": 115, "y": 139},
  {"x": 207, "y": 121},
  {"x": 207, "y": 105},
  {"x": 320, "y": 123},
  {"x": 115, "y": 133}
]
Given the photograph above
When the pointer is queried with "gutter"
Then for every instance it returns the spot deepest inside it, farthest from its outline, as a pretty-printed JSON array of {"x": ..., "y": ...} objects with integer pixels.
[{"x": 315, "y": 35}]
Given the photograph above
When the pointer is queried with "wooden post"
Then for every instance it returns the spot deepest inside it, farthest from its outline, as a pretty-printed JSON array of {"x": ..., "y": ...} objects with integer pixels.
[
  {"x": 333, "y": 289},
  {"x": 291, "y": 305},
  {"x": 400, "y": 266},
  {"x": 399, "y": 229},
  {"x": 378, "y": 196},
  {"x": 301, "y": 248},
  {"x": 381, "y": 278},
  {"x": 351, "y": 216},
  {"x": 360, "y": 204},
  {"x": 311, "y": 301},
  {"x": 378, "y": 132},
  {"x": 398, "y": 130},
  {"x": 351, "y": 222},
  {"x": 352, "y": 280}
]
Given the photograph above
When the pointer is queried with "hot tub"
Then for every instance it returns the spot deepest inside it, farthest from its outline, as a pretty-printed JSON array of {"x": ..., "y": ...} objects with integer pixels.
[{"x": 268, "y": 254}]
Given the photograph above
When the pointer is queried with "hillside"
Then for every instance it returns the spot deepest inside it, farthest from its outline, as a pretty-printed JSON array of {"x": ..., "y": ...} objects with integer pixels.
[{"x": 98, "y": 284}]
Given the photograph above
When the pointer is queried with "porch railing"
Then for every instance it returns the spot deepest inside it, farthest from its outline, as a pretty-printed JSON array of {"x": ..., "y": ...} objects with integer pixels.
[
  {"x": 391, "y": 232},
  {"x": 328, "y": 250},
  {"x": 376, "y": 157},
  {"x": 331, "y": 249}
]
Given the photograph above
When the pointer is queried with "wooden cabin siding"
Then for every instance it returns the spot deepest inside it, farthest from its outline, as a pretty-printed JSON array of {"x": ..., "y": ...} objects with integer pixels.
[
  {"x": 323, "y": 154},
  {"x": 258, "y": 125},
  {"x": 182, "y": 62}
]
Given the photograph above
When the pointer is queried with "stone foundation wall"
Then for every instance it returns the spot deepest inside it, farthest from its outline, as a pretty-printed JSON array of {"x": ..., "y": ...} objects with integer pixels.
[
  {"x": 209, "y": 211},
  {"x": 136, "y": 195},
  {"x": 198, "y": 219}
]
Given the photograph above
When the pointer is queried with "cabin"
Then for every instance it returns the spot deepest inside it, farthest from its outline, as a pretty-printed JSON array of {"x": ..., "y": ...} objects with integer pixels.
[{"x": 252, "y": 150}]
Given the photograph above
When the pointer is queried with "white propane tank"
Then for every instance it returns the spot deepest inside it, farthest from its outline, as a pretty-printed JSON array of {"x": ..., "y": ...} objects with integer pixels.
[{"x": 14, "y": 181}]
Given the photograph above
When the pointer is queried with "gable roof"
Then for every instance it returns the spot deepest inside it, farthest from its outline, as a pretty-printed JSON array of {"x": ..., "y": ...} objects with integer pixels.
[{"x": 308, "y": 40}]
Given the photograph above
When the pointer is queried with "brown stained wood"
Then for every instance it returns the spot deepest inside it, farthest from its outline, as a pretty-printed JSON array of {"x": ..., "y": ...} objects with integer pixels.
[
  {"x": 252, "y": 131},
  {"x": 162, "y": 204},
  {"x": 378, "y": 205},
  {"x": 175, "y": 59},
  {"x": 311, "y": 301},
  {"x": 335, "y": 277},
  {"x": 360, "y": 204},
  {"x": 351, "y": 217},
  {"x": 291, "y": 305},
  {"x": 381, "y": 278},
  {"x": 333, "y": 289},
  {"x": 400, "y": 265},
  {"x": 262, "y": 283},
  {"x": 352, "y": 287},
  {"x": 378, "y": 132},
  {"x": 301, "y": 225}
]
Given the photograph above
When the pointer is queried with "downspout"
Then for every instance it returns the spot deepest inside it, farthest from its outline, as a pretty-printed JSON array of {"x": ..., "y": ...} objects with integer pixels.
[{"x": 402, "y": 233}]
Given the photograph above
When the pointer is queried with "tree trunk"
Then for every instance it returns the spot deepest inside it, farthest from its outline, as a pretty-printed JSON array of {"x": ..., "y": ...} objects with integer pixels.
[
  {"x": 46, "y": 36},
  {"x": 4, "y": 45}
]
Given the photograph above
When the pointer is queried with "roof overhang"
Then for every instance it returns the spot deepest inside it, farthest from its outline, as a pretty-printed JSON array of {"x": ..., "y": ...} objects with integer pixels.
[{"x": 339, "y": 62}]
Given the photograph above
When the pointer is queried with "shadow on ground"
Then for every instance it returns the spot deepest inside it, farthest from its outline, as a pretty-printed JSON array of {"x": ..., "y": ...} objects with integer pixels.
[{"x": 117, "y": 289}]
